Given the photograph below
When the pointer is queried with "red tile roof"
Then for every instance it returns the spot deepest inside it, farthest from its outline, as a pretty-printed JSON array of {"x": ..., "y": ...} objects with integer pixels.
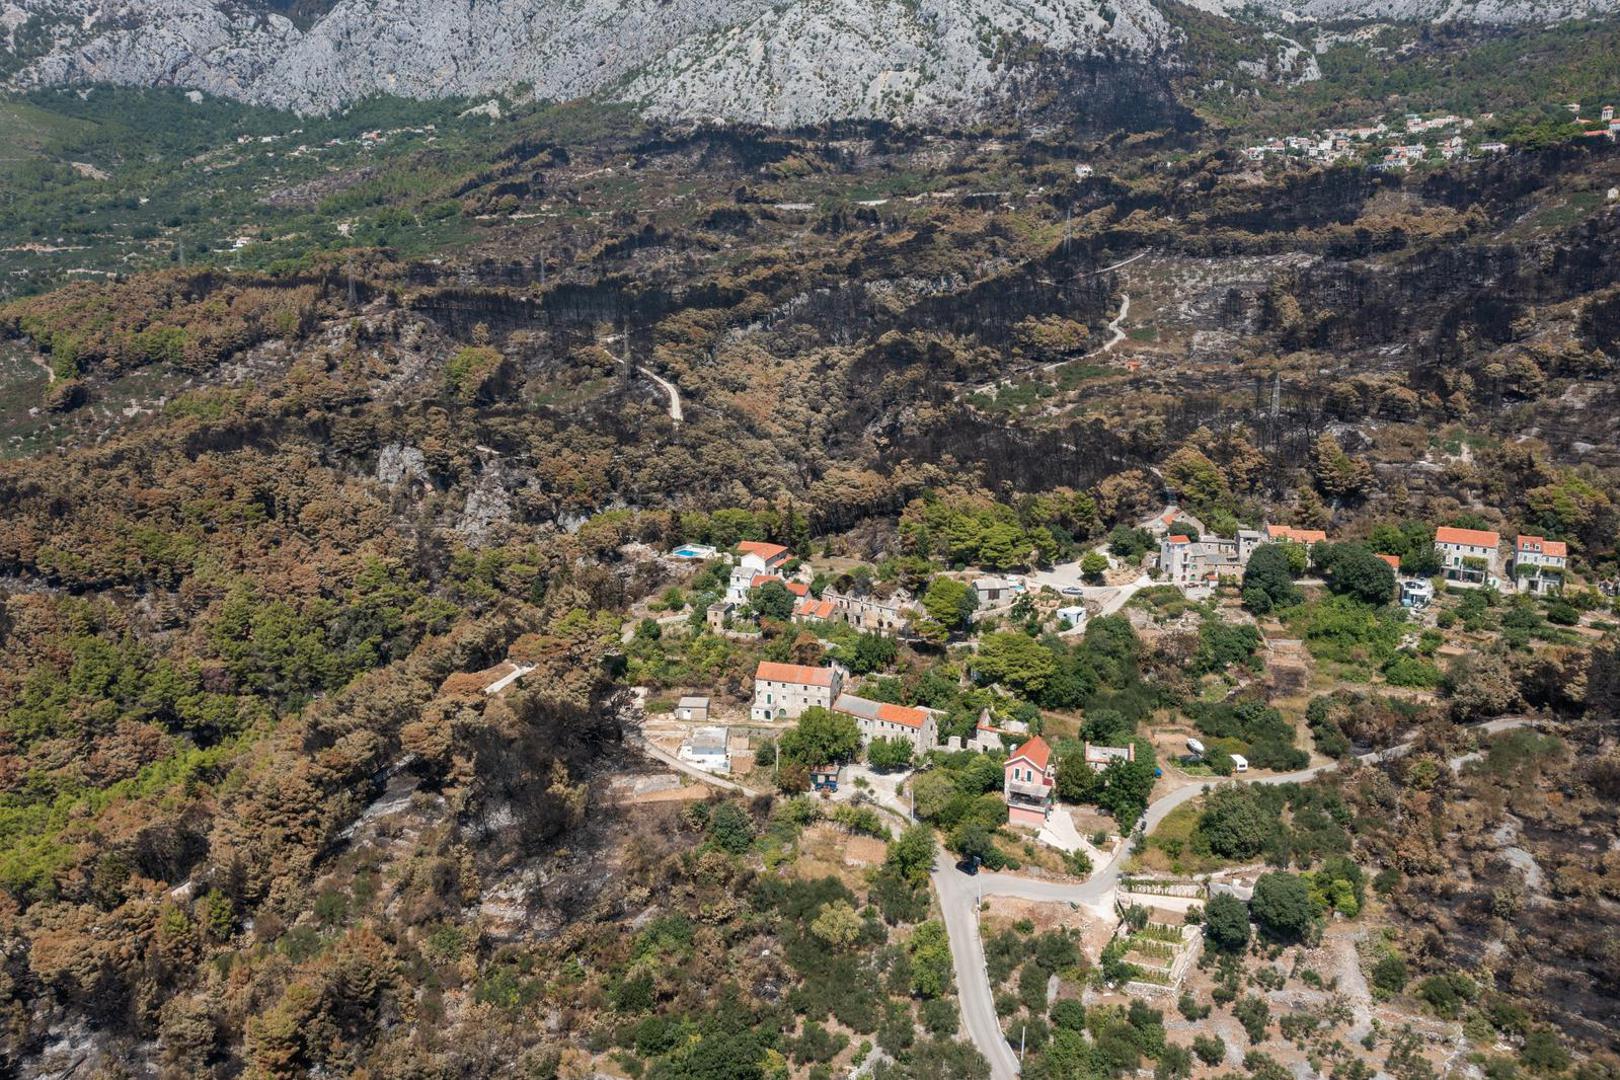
[
  {"x": 1298, "y": 536},
  {"x": 1393, "y": 560},
  {"x": 1555, "y": 548},
  {"x": 811, "y": 608},
  {"x": 1178, "y": 539},
  {"x": 797, "y": 588},
  {"x": 1036, "y": 752},
  {"x": 904, "y": 715},
  {"x": 769, "y": 552},
  {"x": 801, "y": 674},
  {"x": 1445, "y": 534}
]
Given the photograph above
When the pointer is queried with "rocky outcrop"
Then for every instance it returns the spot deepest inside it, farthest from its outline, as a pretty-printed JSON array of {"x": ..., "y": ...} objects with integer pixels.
[{"x": 783, "y": 63}]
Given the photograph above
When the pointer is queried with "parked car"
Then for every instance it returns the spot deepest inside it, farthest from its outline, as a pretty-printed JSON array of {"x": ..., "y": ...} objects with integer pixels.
[
  {"x": 1240, "y": 763},
  {"x": 1071, "y": 590}
]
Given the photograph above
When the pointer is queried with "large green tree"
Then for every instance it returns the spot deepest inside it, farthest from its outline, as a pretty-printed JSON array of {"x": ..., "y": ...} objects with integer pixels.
[
  {"x": 1356, "y": 572},
  {"x": 772, "y": 600},
  {"x": 1268, "y": 581},
  {"x": 820, "y": 738},
  {"x": 1015, "y": 660},
  {"x": 1282, "y": 906},
  {"x": 1234, "y": 824},
  {"x": 1226, "y": 923}
]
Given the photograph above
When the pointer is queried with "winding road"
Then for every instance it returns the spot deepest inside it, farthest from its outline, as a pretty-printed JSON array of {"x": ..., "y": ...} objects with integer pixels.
[
  {"x": 676, "y": 413},
  {"x": 961, "y": 894}
]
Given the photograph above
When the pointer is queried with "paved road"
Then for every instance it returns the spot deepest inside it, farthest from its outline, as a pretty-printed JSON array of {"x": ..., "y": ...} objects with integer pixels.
[{"x": 960, "y": 895}]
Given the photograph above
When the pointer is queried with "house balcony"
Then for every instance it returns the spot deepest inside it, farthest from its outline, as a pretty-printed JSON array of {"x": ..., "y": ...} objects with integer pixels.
[{"x": 1028, "y": 793}]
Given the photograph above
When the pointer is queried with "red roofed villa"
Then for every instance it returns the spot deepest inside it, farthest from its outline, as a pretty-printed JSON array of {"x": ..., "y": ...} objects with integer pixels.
[
  {"x": 1539, "y": 563},
  {"x": 1028, "y": 782},
  {"x": 771, "y": 555},
  {"x": 1467, "y": 556},
  {"x": 784, "y": 691},
  {"x": 881, "y": 720}
]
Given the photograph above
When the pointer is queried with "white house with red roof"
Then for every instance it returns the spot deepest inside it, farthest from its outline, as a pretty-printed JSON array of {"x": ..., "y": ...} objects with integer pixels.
[
  {"x": 1029, "y": 783},
  {"x": 1468, "y": 556},
  {"x": 785, "y": 691},
  {"x": 755, "y": 559},
  {"x": 1539, "y": 564},
  {"x": 881, "y": 720}
]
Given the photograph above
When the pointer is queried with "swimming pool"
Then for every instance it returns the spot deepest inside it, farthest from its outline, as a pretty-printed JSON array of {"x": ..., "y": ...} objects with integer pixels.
[{"x": 693, "y": 551}]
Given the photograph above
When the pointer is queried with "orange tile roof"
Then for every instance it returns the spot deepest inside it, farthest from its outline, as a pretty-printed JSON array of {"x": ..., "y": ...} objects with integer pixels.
[
  {"x": 903, "y": 714},
  {"x": 801, "y": 674},
  {"x": 812, "y": 608},
  {"x": 1035, "y": 751},
  {"x": 1445, "y": 534},
  {"x": 768, "y": 552},
  {"x": 1298, "y": 536},
  {"x": 1555, "y": 548},
  {"x": 1178, "y": 539},
  {"x": 797, "y": 588},
  {"x": 1393, "y": 560}
]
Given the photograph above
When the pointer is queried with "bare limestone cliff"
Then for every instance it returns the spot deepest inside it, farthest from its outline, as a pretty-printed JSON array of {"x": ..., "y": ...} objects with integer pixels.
[{"x": 803, "y": 61}]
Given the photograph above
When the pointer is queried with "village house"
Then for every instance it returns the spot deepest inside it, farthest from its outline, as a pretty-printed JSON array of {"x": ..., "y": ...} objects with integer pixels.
[
  {"x": 1416, "y": 593},
  {"x": 1029, "y": 782},
  {"x": 812, "y": 610},
  {"x": 881, "y": 720},
  {"x": 870, "y": 612},
  {"x": 1539, "y": 564},
  {"x": 1468, "y": 556},
  {"x": 987, "y": 733},
  {"x": 1098, "y": 758},
  {"x": 785, "y": 691},
  {"x": 798, "y": 588},
  {"x": 754, "y": 559},
  {"x": 718, "y": 612},
  {"x": 1189, "y": 563},
  {"x": 692, "y": 709},
  {"x": 993, "y": 592},
  {"x": 1073, "y": 616},
  {"x": 708, "y": 748},
  {"x": 1296, "y": 536}
]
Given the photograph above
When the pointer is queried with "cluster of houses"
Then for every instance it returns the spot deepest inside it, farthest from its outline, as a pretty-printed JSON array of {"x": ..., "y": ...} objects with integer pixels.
[
  {"x": 785, "y": 691},
  {"x": 1468, "y": 557},
  {"x": 1193, "y": 564},
  {"x": 1392, "y": 148},
  {"x": 1474, "y": 557},
  {"x": 758, "y": 563}
]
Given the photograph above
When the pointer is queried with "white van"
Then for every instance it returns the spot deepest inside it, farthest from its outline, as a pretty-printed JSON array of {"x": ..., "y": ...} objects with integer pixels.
[
  {"x": 1240, "y": 763},
  {"x": 1196, "y": 747}
]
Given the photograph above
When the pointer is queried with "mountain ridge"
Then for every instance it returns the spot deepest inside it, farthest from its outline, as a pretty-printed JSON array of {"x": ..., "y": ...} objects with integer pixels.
[{"x": 751, "y": 61}]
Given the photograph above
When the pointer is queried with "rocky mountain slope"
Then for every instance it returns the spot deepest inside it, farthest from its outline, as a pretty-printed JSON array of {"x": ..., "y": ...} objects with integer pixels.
[{"x": 738, "y": 60}]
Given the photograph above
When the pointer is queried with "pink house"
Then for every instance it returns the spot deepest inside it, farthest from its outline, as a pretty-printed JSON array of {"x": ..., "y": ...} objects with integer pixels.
[{"x": 1028, "y": 782}]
